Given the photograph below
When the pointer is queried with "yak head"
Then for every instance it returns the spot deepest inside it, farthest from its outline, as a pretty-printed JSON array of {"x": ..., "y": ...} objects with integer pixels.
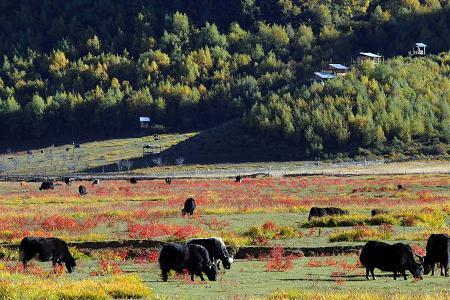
[
  {"x": 417, "y": 268},
  {"x": 211, "y": 271},
  {"x": 427, "y": 265},
  {"x": 70, "y": 264},
  {"x": 226, "y": 262}
]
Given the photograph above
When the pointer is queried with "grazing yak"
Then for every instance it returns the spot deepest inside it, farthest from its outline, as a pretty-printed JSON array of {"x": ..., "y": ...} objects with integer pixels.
[
  {"x": 96, "y": 181},
  {"x": 317, "y": 212},
  {"x": 401, "y": 187},
  {"x": 68, "y": 181},
  {"x": 194, "y": 258},
  {"x": 378, "y": 211},
  {"x": 133, "y": 180},
  {"x": 46, "y": 249},
  {"x": 47, "y": 185},
  {"x": 82, "y": 190},
  {"x": 217, "y": 250},
  {"x": 169, "y": 180},
  {"x": 189, "y": 207},
  {"x": 238, "y": 178},
  {"x": 438, "y": 251},
  {"x": 396, "y": 258}
]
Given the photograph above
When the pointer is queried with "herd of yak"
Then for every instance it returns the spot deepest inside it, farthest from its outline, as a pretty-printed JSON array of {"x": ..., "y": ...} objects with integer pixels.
[{"x": 203, "y": 255}]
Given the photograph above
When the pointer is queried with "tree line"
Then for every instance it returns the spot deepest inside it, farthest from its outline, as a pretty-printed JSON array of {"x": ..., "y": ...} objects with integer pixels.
[{"x": 92, "y": 67}]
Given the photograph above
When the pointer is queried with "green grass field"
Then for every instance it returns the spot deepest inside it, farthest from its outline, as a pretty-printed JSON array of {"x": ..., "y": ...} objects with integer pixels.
[
  {"x": 249, "y": 279},
  {"x": 263, "y": 212}
]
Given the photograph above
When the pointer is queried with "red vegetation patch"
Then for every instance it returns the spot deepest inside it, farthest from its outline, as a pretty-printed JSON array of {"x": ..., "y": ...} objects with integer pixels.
[
  {"x": 157, "y": 230},
  {"x": 107, "y": 267},
  {"x": 277, "y": 261}
]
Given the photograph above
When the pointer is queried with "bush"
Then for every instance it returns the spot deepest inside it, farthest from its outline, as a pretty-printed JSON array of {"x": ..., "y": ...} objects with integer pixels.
[
  {"x": 19, "y": 286},
  {"x": 431, "y": 218},
  {"x": 270, "y": 231},
  {"x": 362, "y": 233},
  {"x": 336, "y": 221}
]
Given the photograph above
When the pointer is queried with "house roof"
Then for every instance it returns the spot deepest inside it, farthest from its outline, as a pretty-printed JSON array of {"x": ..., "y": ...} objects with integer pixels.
[
  {"x": 338, "y": 66},
  {"x": 370, "y": 54},
  {"x": 324, "y": 75},
  {"x": 421, "y": 45},
  {"x": 144, "y": 119}
]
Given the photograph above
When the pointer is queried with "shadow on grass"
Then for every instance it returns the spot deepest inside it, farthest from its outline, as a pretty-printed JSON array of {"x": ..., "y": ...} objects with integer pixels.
[
  {"x": 227, "y": 143},
  {"x": 352, "y": 278}
]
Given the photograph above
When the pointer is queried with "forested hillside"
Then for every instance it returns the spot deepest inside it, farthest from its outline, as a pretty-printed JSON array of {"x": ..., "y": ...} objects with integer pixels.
[{"x": 85, "y": 67}]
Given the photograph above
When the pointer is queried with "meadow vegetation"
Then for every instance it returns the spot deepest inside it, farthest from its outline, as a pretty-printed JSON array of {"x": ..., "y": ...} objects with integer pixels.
[{"x": 256, "y": 212}]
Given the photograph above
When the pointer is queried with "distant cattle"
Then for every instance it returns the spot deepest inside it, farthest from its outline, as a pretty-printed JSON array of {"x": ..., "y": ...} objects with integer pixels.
[
  {"x": 396, "y": 258},
  {"x": 317, "y": 212},
  {"x": 68, "y": 181},
  {"x": 95, "y": 181},
  {"x": 133, "y": 180},
  {"x": 217, "y": 250},
  {"x": 47, "y": 185},
  {"x": 77, "y": 146},
  {"x": 189, "y": 207},
  {"x": 438, "y": 251},
  {"x": 378, "y": 211},
  {"x": 23, "y": 183},
  {"x": 401, "y": 187},
  {"x": 169, "y": 180},
  {"x": 82, "y": 190},
  {"x": 194, "y": 258},
  {"x": 238, "y": 179},
  {"x": 46, "y": 249}
]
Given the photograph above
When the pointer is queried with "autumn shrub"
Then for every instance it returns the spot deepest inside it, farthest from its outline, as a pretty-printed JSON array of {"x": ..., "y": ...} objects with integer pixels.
[
  {"x": 383, "y": 219},
  {"x": 362, "y": 233},
  {"x": 336, "y": 221},
  {"x": 8, "y": 254},
  {"x": 147, "y": 256},
  {"x": 270, "y": 231},
  {"x": 30, "y": 287},
  {"x": 234, "y": 239},
  {"x": 111, "y": 254},
  {"x": 106, "y": 267},
  {"x": 277, "y": 261},
  {"x": 433, "y": 218}
]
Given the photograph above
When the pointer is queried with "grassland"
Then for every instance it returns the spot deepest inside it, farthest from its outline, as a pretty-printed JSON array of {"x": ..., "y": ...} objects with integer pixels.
[
  {"x": 268, "y": 212},
  {"x": 218, "y": 152},
  {"x": 249, "y": 279}
]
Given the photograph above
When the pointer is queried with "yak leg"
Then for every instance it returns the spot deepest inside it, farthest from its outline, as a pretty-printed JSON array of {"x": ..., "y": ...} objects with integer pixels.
[
  {"x": 395, "y": 275},
  {"x": 444, "y": 268},
  {"x": 373, "y": 275},
  {"x": 164, "y": 275},
  {"x": 201, "y": 275},
  {"x": 404, "y": 274},
  {"x": 367, "y": 273},
  {"x": 25, "y": 266},
  {"x": 432, "y": 269}
]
